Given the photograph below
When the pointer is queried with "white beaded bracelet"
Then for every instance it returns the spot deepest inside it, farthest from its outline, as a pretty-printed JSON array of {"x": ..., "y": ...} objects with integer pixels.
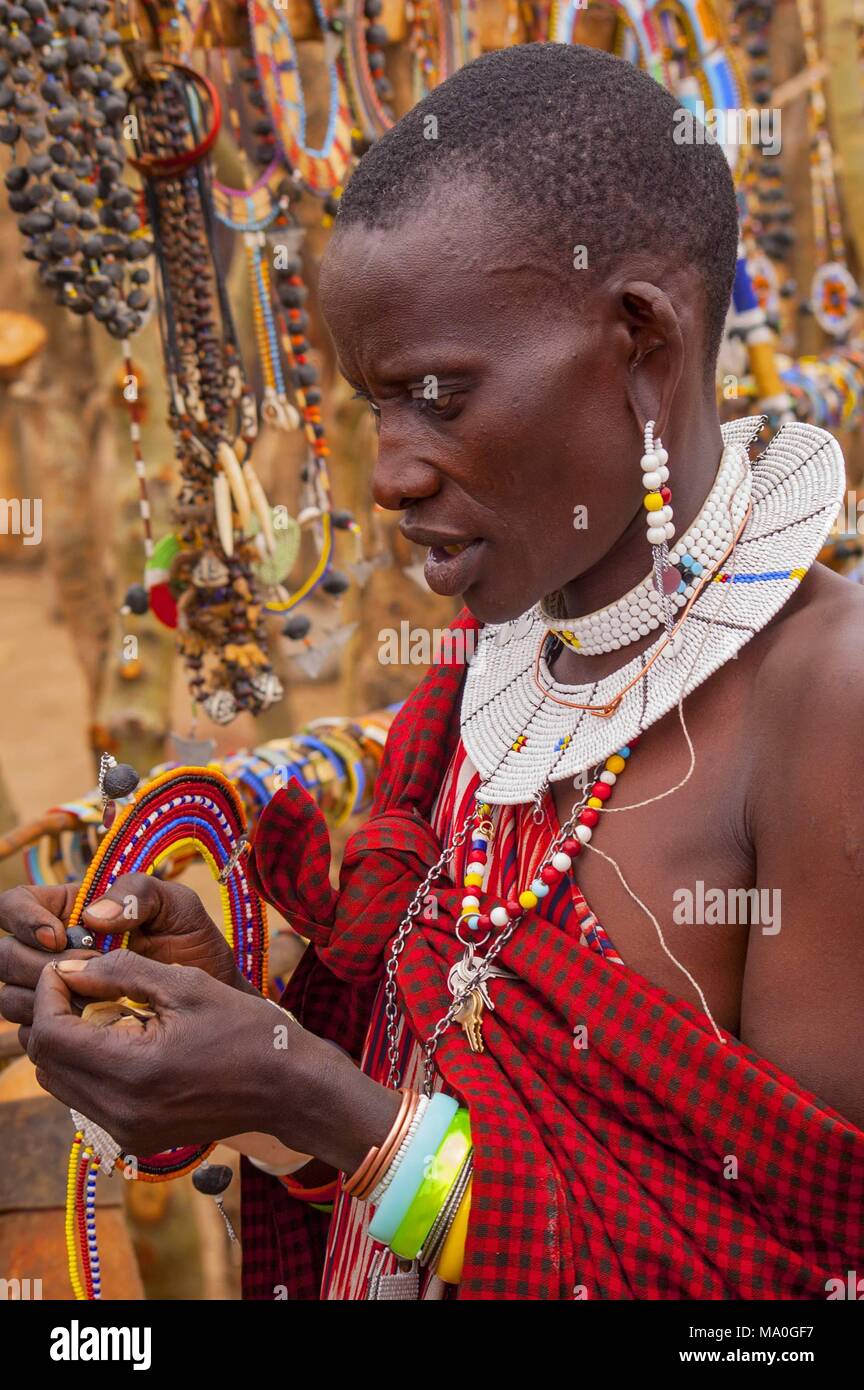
[{"x": 378, "y": 1193}]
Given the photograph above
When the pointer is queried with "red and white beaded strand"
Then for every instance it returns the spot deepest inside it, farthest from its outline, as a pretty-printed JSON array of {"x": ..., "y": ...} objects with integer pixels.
[{"x": 557, "y": 862}]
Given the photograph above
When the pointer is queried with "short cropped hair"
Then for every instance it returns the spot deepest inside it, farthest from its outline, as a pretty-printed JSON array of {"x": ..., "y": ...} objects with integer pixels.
[{"x": 577, "y": 147}]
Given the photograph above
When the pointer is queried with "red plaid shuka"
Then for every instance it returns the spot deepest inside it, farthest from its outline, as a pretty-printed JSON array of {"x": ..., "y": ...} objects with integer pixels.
[{"x": 600, "y": 1172}]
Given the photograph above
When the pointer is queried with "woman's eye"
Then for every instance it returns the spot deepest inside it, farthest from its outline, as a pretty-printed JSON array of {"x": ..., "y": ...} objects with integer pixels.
[
  {"x": 376, "y": 412},
  {"x": 443, "y": 405}
]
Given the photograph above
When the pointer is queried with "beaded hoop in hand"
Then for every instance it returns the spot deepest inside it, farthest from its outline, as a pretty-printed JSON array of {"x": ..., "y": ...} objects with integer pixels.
[{"x": 187, "y": 809}]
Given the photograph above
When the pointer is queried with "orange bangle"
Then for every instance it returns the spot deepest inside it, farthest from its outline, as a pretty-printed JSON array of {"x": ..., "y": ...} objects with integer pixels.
[
  {"x": 358, "y": 1181},
  {"x": 390, "y": 1147},
  {"x": 325, "y": 1193}
]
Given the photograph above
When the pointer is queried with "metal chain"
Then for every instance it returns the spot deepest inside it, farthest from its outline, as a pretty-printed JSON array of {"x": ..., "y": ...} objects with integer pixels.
[
  {"x": 431, "y": 1044},
  {"x": 406, "y": 926},
  {"x": 391, "y": 1008}
]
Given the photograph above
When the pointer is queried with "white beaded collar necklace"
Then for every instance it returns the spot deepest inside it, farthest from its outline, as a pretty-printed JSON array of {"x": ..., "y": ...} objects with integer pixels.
[
  {"x": 518, "y": 725},
  {"x": 704, "y": 543}
]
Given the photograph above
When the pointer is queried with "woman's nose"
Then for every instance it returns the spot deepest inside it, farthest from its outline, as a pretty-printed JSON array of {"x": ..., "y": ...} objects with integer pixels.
[{"x": 399, "y": 476}]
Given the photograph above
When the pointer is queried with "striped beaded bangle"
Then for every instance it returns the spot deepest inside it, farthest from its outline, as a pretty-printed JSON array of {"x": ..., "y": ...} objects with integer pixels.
[
  {"x": 406, "y": 1182},
  {"x": 440, "y": 1175},
  {"x": 420, "y": 1111},
  {"x": 434, "y": 1242}
]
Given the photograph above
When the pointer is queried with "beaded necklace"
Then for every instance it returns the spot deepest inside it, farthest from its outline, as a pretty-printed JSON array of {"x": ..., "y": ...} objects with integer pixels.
[
  {"x": 60, "y": 100},
  {"x": 321, "y": 170},
  {"x": 468, "y": 979},
  {"x": 212, "y": 411},
  {"x": 637, "y": 21},
  {"x": 251, "y": 211},
  {"x": 434, "y": 46},
  {"x": 185, "y": 810},
  {"x": 834, "y": 296},
  {"x": 642, "y": 610},
  {"x": 796, "y": 488}
]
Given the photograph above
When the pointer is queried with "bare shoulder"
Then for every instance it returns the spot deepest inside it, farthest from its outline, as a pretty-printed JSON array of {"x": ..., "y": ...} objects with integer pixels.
[{"x": 808, "y": 665}]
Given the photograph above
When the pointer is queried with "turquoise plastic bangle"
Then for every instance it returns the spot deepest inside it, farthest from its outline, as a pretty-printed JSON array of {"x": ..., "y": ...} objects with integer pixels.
[
  {"x": 435, "y": 1188},
  {"x": 412, "y": 1170}
]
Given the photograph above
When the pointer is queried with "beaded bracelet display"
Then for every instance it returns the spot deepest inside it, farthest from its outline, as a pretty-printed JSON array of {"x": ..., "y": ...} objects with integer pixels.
[
  {"x": 337, "y": 764},
  {"x": 197, "y": 810}
]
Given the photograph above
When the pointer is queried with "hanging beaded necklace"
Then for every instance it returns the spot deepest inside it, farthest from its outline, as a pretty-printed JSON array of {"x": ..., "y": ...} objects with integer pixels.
[
  {"x": 60, "y": 101},
  {"x": 432, "y": 40},
  {"x": 636, "y": 21},
  {"x": 212, "y": 411},
  {"x": 323, "y": 169},
  {"x": 835, "y": 298}
]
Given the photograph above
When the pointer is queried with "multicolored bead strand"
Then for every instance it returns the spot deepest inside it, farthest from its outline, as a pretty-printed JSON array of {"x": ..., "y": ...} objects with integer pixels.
[
  {"x": 189, "y": 809},
  {"x": 72, "y": 1216},
  {"x": 557, "y": 862}
]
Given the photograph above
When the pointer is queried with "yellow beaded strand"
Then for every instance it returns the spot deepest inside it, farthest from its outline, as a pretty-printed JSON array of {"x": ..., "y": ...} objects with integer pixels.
[{"x": 71, "y": 1233}]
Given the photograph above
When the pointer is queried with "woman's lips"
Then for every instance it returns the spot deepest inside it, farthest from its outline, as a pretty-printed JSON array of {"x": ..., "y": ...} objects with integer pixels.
[{"x": 450, "y": 569}]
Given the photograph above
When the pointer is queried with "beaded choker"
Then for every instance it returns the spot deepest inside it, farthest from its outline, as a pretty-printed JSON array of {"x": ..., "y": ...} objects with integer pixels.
[
  {"x": 522, "y": 730},
  {"x": 642, "y": 609}
]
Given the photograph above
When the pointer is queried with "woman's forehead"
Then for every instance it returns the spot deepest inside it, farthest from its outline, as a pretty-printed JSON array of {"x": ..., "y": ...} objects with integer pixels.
[{"x": 434, "y": 274}]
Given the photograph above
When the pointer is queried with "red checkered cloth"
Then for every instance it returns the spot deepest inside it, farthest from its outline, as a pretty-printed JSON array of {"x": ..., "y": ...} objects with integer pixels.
[{"x": 655, "y": 1162}]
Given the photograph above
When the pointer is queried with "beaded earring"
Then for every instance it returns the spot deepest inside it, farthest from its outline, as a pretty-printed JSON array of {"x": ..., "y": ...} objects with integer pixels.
[{"x": 659, "y": 514}]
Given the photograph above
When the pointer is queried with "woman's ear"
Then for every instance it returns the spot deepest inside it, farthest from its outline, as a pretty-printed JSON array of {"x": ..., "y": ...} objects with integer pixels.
[{"x": 657, "y": 361}]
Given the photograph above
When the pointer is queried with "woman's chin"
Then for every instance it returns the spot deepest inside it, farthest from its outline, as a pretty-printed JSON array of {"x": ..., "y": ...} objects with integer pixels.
[{"x": 495, "y": 608}]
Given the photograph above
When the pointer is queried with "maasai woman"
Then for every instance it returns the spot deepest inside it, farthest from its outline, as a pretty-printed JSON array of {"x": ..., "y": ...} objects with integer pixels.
[{"x": 655, "y": 1096}]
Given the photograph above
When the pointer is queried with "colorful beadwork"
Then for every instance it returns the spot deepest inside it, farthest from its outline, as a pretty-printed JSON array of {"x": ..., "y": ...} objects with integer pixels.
[
  {"x": 322, "y": 170},
  {"x": 558, "y": 861},
  {"x": 725, "y": 578},
  {"x": 191, "y": 809}
]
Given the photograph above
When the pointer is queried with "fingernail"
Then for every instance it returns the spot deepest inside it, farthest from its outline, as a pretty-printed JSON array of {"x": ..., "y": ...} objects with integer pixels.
[
  {"x": 69, "y": 967},
  {"x": 45, "y": 936},
  {"x": 105, "y": 910}
]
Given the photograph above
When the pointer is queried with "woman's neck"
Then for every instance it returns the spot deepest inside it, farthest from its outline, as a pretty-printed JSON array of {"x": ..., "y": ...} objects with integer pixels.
[{"x": 694, "y": 457}]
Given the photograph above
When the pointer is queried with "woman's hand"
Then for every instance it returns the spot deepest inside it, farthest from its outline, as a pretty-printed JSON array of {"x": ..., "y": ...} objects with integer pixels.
[
  {"x": 167, "y": 922},
  {"x": 213, "y": 1062}
]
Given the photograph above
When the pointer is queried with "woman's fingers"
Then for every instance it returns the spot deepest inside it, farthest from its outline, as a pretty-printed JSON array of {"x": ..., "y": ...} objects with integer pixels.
[
  {"x": 20, "y": 971},
  {"x": 22, "y": 965},
  {"x": 16, "y": 1005},
  {"x": 36, "y": 915},
  {"x": 140, "y": 900},
  {"x": 125, "y": 973}
]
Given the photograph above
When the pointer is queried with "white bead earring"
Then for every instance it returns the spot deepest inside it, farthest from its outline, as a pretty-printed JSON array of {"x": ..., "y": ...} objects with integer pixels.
[{"x": 659, "y": 514}]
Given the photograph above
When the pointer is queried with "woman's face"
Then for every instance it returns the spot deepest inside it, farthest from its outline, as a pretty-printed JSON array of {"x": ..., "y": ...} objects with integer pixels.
[{"x": 503, "y": 422}]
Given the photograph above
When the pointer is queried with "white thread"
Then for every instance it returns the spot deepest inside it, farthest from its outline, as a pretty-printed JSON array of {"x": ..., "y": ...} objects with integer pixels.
[
  {"x": 660, "y": 796},
  {"x": 674, "y": 959},
  {"x": 636, "y": 805}
]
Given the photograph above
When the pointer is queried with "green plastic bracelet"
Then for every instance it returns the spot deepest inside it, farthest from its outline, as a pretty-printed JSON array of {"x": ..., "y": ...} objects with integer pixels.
[{"x": 443, "y": 1170}]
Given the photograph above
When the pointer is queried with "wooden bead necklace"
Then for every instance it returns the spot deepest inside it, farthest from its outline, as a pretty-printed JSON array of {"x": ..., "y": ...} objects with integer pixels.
[
  {"x": 59, "y": 99},
  {"x": 211, "y": 409}
]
